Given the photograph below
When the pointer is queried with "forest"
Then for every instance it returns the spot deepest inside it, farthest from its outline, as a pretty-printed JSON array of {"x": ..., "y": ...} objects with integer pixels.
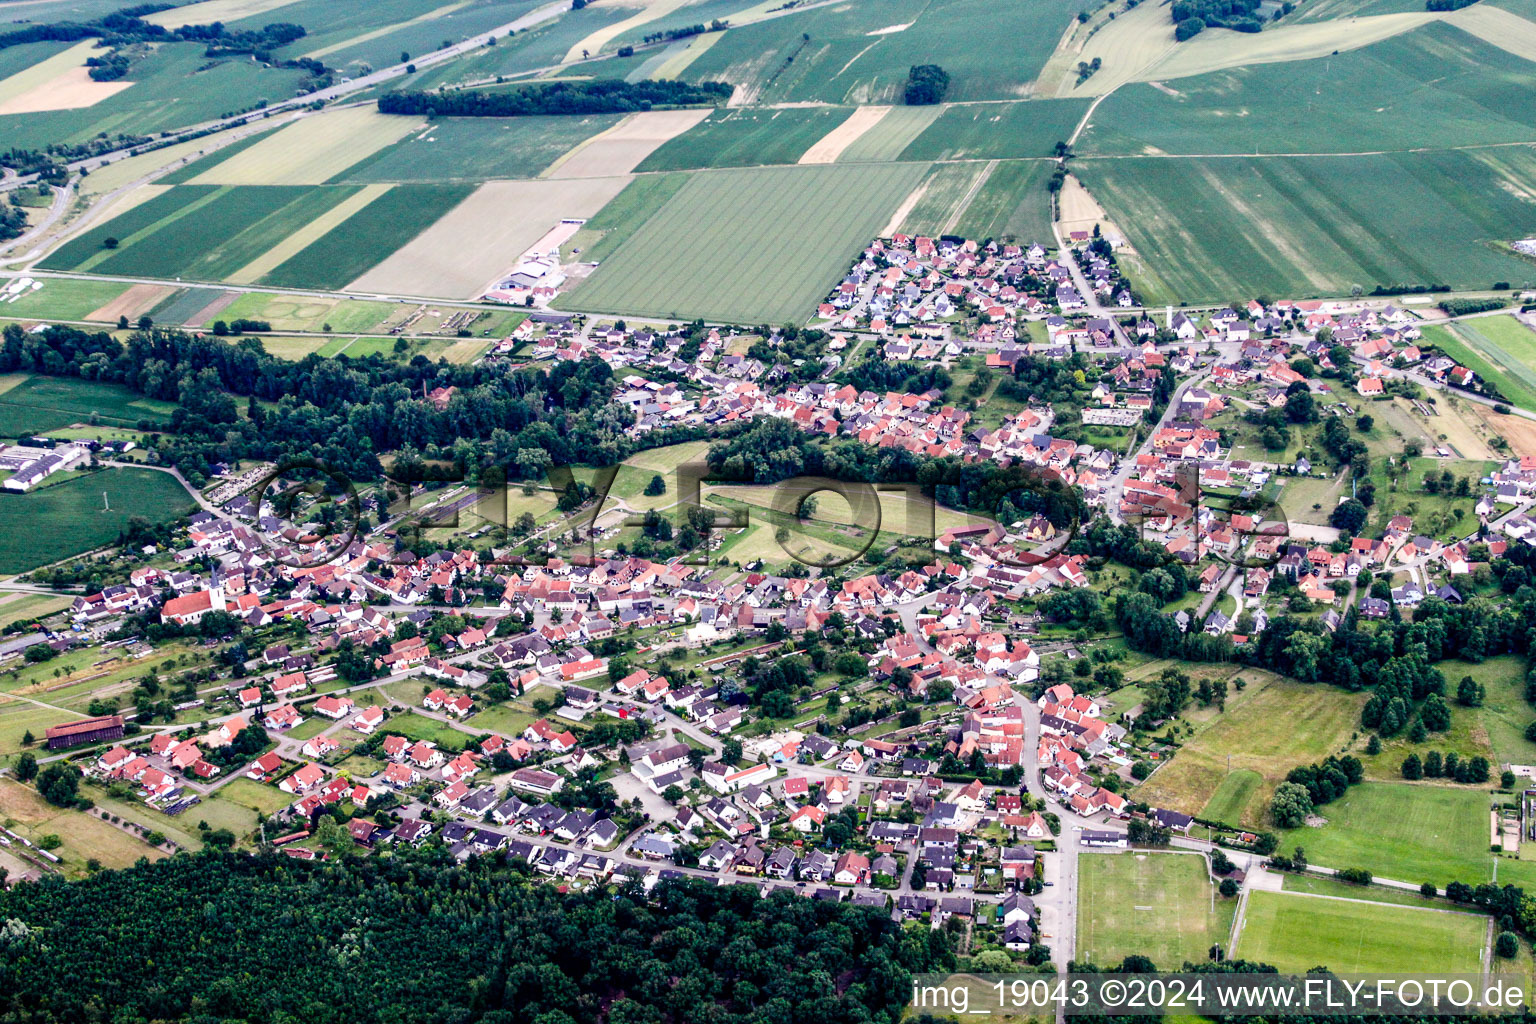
[
  {"x": 609, "y": 95},
  {"x": 419, "y": 937},
  {"x": 347, "y": 412}
]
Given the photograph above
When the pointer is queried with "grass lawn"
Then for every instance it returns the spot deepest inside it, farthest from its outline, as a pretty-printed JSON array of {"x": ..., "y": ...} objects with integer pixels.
[
  {"x": 255, "y": 795},
  {"x": 507, "y": 720},
  {"x": 418, "y": 727},
  {"x": 1267, "y": 729},
  {"x": 63, "y": 299},
  {"x": 1410, "y": 833},
  {"x": 17, "y": 718},
  {"x": 1296, "y": 933},
  {"x": 1497, "y": 349},
  {"x": 1156, "y": 904},
  {"x": 312, "y": 726},
  {"x": 31, "y": 606},
  {"x": 1322, "y": 885},
  {"x": 359, "y": 766}
]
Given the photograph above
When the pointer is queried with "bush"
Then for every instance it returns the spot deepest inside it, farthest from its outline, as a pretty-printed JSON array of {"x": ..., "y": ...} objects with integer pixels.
[
  {"x": 1506, "y": 945},
  {"x": 1354, "y": 876},
  {"x": 1188, "y": 29}
]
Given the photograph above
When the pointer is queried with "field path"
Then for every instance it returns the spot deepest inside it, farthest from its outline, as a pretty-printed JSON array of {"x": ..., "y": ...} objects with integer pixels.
[{"x": 965, "y": 202}]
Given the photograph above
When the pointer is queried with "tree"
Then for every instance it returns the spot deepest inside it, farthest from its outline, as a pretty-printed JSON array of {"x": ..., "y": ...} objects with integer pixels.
[
  {"x": 1290, "y": 805},
  {"x": 1349, "y": 515},
  {"x": 926, "y": 85},
  {"x": 1507, "y": 945},
  {"x": 656, "y": 486},
  {"x": 334, "y": 837},
  {"x": 27, "y": 739},
  {"x": 26, "y": 767},
  {"x": 1469, "y": 694},
  {"x": 1434, "y": 714},
  {"x": 672, "y": 794},
  {"x": 1228, "y": 888},
  {"x": 59, "y": 784},
  {"x": 1412, "y": 767}
]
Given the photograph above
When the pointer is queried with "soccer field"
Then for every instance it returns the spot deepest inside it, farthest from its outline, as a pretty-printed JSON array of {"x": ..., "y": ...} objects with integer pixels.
[
  {"x": 1160, "y": 905},
  {"x": 1296, "y": 933},
  {"x": 748, "y": 246}
]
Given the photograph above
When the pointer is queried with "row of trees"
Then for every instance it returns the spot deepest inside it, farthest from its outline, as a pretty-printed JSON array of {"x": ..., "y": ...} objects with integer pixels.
[{"x": 607, "y": 95}]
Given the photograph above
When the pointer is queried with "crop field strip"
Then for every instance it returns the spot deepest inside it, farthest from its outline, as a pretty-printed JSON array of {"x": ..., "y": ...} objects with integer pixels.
[
  {"x": 623, "y": 147},
  {"x": 1461, "y": 347},
  {"x": 746, "y": 137},
  {"x": 1013, "y": 203},
  {"x": 478, "y": 149},
  {"x": 709, "y": 252},
  {"x": 306, "y": 235},
  {"x": 946, "y": 191},
  {"x": 895, "y": 132},
  {"x": 311, "y": 150}
]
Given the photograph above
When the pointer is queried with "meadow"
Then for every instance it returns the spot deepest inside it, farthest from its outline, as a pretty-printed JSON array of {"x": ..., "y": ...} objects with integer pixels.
[
  {"x": 1294, "y": 932},
  {"x": 746, "y": 137},
  {"x": 84, "y": 838},
  {"x": 65, "y": 519},
  {"x": 986, "y": 131},
  {"x": 1404, "y": 832},
  {"x": 860, "y": 53},
  {"x": 477, "y": 149},
  {"x": 1158, "y": 905},
  {"x": 709, "y": 253},
  {"x": 1315, "y": 225},
  {"x": 1268, "y": 728},
  {"x": 39, "y": 404}
]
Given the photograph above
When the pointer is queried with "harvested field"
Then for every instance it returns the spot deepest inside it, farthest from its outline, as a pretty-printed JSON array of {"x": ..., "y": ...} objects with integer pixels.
[
  {"x": 1079, "y": 211},
  {"x": 214, "y": 10},
  {"x": 133, "y": 303},
  {"x": 1517, "y": 430},
  {"x": 69, "y": 90},
  {"x": 482, "y": 237},
  {"x": 831, "y": 146},
  {"x": 1218, "y": 48},
  {"x": 622, "y": 148},
  {"x": 1494, "y": 25},
  {"x": 311, "y": 150},
  {"x": 748, "y": 246},
  {"x": 311, "y": 232},
  {"x": 28, "y": 79}
]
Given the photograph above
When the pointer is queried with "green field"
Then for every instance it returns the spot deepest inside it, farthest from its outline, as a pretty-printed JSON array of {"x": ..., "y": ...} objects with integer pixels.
[
  {"x": 1436, "y": 86},
  {"x": 859, "y": 53},
  {"x": 50, "y": 523},
  {"x": 1404, "y": 832},
  {"x": 368, "y": 237},
  {"x": 1303, "y": 226},
  {"x": 988, "y": 131},
  {"x": 183, "y": 304},
  {"x": 1268, "y": 729},
  {"x": 947, "y": 191},
  {"x": 301, "y": 313},
  {"x": 1296, "y": 933},
  {"x": 748, "y": 246},
  {"x": 63, "y": 298},
  {"x": 746, "y": 138},
  {"x": 418, "y": 727},
  {"x": 39, "y": 404},
  {"x": 174, "y": 85},
  {"x": 478, "y": 148},
  {"x": 214, "y": 234},
  {"x": 1013, "y": 204},
  {"x": 611, "y": 226},
  {"x": 1500, "y": 349},
  {"x": 1159, "y": 905}
]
